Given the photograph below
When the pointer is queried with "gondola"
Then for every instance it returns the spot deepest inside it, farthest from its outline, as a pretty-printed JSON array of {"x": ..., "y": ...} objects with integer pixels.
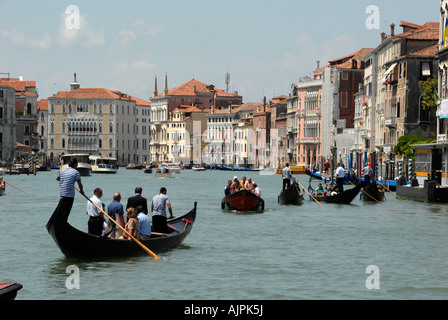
[
  {"x": 344, "y": 197},
  {"x": 8, "y": 290},
  {"x": 291, "y": 195},
  {"x": 371, "y": 193},
  {"x": 242, "y": 200},
  {"x": 78, "y": 244}
]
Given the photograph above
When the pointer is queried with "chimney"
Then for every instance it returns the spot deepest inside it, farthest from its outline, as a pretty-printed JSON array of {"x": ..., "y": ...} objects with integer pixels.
[
  {"x": 383, "y": 36},
  {"x": 318, "y": 64},
  {"x": 155, "y": 87},
  {"x": 392, "y": 30},
  {"x": 166, "y": 85}
]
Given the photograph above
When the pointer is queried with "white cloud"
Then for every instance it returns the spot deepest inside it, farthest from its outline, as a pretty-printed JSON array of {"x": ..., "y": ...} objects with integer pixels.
[
  {"x": 18, "y": 37},
  {"x": 138, "y": 29},
  {"x": 84, "y": 36}
]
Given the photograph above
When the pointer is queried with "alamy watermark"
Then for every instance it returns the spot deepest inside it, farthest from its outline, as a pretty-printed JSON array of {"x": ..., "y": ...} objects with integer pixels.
[
  {"x": 373, "y": 280},
  {"x": 373, "y": 20},
  {"x": 72, "y": 281},
  {"x": 72, "y": 18}
]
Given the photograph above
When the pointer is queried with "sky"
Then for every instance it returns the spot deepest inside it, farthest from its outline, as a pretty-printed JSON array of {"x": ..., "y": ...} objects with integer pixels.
[{"x": 265, "y": 45}]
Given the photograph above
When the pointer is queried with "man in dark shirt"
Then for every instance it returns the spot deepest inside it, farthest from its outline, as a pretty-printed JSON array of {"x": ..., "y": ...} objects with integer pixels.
[{"x": 136, "y": 200}]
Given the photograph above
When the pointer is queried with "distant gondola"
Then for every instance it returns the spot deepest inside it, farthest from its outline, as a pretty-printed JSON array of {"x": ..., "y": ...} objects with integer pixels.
[
  {"x": 291, "y": 195},
  {"x": 371, "y": 193},
  {"x": 77, "y": 244},
  {"x": 8, "y": 290},
  {"x": 242, "y": 200},
  {"x": 344, "y": 197}
]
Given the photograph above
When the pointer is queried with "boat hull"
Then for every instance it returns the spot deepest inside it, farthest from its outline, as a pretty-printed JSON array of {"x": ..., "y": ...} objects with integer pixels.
[
  {"x": 290, "y": 196},
  {"x": 242, "y": 200},
  {"x": 8, "y": 290},
  {"x": 345, "y": 197},
  {"x": 77, "y": 244},
  {"x": 371, "y": 193}
]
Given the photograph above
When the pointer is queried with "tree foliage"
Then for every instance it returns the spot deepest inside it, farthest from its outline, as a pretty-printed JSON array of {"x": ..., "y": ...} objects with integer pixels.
[
  {"x": 403, "y": 146},
  {"x": 429, "y": 87}
]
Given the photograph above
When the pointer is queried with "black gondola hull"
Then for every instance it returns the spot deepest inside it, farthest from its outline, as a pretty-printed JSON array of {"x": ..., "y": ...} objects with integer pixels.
[
  {"x": 345, "y": 197},
  {"x": 77, "y": 244},
  {"x": 290, "y": 196},
  {"x": 371, "y": 193}
]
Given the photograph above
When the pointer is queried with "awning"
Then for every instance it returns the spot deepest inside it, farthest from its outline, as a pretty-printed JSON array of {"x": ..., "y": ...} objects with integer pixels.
[{"x": 388, "y": 72}]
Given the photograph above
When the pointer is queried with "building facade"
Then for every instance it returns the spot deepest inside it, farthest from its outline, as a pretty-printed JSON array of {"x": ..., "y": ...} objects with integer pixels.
[
  {"x": 7, "y": 123},
  {"x": 95, "y": 121}
]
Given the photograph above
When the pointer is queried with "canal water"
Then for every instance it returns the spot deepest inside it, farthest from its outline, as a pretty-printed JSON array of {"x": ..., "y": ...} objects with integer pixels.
[{"x": 391, "y": 250}]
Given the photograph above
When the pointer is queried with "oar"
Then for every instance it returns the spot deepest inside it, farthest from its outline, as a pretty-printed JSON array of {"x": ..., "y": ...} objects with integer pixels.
[
  {"x": 15, "y": 187},
  {"x": 390, "y": 191},
  {"x": 152, "y": 254},
  {"x": 363, "y": 191},
  {"x": 309, "y": 193}
]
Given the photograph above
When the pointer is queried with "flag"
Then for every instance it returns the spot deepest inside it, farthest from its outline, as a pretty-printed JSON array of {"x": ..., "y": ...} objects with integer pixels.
[{"x": 445, "y": 34}]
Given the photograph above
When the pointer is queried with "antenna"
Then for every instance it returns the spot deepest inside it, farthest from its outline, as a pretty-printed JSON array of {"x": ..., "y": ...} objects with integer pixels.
[{"x": 227, "y": 81}]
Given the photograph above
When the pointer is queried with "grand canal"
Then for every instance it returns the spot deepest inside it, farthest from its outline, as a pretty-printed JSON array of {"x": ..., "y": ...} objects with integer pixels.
[{"x": 286, "y": 252}]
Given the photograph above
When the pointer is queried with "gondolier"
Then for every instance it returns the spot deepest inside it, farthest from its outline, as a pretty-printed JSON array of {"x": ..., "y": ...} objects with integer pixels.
[
  {"x": 67, "y": 178},
  {"x": 340, "y": 175},
  {"x": 159, "y": 219},
  {"x": 287, "y": 175}
]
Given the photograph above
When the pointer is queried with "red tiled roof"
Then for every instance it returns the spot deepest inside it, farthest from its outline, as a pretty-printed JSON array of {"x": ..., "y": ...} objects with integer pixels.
[
  {"x": 42, "y": 104},
  {"x": 86, "y": 93},
  {"x": 428, "y": 31},
  {"x": 429, "y": 51},
  {"x": 17, "y": 84},
  {"x": 194, "y": 88}
]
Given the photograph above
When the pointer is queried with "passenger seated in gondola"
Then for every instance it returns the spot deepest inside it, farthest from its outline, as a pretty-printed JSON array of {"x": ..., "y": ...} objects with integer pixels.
[
  {"x": 145, "y": 224},
  {"x": 163, "y": 169},
  {"x": 235, "y": 186},
  {"x": 249, "y": 184},
  {"x": 320, "y": 190},
  {"x": 256, "y": 190},
  {"x": 243, "y": 182},
  {"x": 227, "y": 189},
  {"x": 133, "y": 225}
]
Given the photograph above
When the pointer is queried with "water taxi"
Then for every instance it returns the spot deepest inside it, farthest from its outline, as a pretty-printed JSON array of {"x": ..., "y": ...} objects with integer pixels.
[
  {"x": 84, "y": 167},
  {"x": 173, "y": 167},
  {"x": 102, "y": 164}
]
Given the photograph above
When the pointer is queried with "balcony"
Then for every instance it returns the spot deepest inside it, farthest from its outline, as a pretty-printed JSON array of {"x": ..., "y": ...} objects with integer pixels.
[
  {"x": 365, "y": 133},
  {"x": 390, "y": 122}
]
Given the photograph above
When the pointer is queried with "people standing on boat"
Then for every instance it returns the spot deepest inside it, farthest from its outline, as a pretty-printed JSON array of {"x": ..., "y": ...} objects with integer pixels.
[
  {"x": 158, "y": 209},
  {"x": 96, "y": 217},
  {"x": 287, "y": 175},
  {"x": 227, "y": 189},
  {"x": 340, "y": 176},
  {"x": 116, "y": 212},
  {"x": 67, "y": 178},
  {"x": 133, "y": 225},
  {"x": 145, "y": 224},
  {"x": 138, "y": 199},
  {"x": 367, "y": 172}
]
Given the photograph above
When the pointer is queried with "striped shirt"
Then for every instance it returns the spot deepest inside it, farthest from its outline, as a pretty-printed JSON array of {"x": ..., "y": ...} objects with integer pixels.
[
  {"x": 158, "y": 204},
  {"x": 67, "y": 179}
]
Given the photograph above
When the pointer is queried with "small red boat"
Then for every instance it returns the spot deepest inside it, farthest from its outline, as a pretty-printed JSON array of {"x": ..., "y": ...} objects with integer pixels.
[
  {"x": 242, "y": 200},
  {"x": 8, "y": 290}
]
